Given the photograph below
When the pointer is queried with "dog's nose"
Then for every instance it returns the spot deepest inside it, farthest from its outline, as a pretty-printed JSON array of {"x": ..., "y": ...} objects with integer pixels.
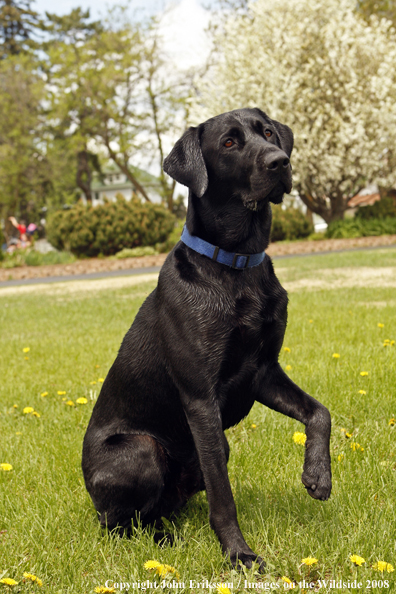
[{"x": 276, "y": 160}]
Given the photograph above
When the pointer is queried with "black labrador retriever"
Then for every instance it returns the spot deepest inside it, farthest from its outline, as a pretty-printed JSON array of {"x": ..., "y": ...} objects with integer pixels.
[{"x": 205, "y": 344}]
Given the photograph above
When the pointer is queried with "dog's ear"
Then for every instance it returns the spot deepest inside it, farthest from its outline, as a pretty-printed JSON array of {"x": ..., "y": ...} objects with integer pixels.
[
  {"x": 286, "y": 137},
  {"x": 185, "y": 163}
]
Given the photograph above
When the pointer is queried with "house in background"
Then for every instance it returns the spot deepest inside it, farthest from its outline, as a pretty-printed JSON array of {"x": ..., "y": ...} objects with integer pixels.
[
  {"x": 366, "y": 197},
  {"x": 114, "y": 182}
]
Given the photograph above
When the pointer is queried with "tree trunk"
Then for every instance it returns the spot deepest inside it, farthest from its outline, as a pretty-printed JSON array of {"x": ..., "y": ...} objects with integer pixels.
[
  {"x": 309, "y": 215},
  {"x": 138, "y": 187},
  {"x": 84, "y": 175},
  {"x": 334, "y": 212}
]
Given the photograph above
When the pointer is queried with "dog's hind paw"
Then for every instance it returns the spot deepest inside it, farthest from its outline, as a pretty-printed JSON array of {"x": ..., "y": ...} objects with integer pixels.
[{"x": 318, "y": 483}]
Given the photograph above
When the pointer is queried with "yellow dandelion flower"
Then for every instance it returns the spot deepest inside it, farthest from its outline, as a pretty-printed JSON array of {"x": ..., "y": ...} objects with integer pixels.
[
  {"x": 44, "y": 394},
  {"x": 26, "y": 358},
  {"x": 101, "y": 380},
  {"x": 61, "y": 392},
  {"x": 299, "y": 438},
  {"x": 26, "y": 349},
  {"x": 169, "y": 569},
  {"x": 5, "y": 466},
  {"x": 362, "y": 392},
  {"x": 286, "y": 349},
  {"x": 222, "y": 589},
  {"x": 286, "y": 580},
  {"x": 64, "y": 399},
  {"x": 288, "y": 367},
  {"x": 253, "y": 426},
  {"x": 27, "y": 410},
  {"x": 97, "y": 366},
  {"x": 336, "y": 355},
  {"x": 151, "y": 564},
  {"x": 392, "y": 342},
  {"x": 380, "y": 325},
  {"x": 93, "y": 383},
  {"x": 363, "y": 373},
  {"x": 36, "y": 414},
  {"x": 161, "y": 568},
  {"x": 383, "y": 566},
  {"x": 309, "y": 561},
  {"x": 357, "y": 560},
  {"x": 14, "y": 406},
  {"x": 70, "y": 403},
  {"x": 103, "y": 589},
  {"x": 18, "y": 433},
  {"x": 33, "y": 578},
  {"x": 81, "y": 400},
  {"x": 8, "y": 582},
  {"x": 392, "y": 422},
  {"x": 340, "y": 457},
  {"x": 356, "y": 447},
  {"x": 311, "y": 321}
]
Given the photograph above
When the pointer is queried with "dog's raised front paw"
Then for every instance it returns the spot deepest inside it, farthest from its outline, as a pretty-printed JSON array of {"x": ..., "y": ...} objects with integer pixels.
[{"x": 317, "y": 481}]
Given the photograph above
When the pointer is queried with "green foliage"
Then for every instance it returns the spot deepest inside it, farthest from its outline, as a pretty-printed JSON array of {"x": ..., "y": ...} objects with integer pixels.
[
  {"x": 30, "y": 257},
  {"x": 107, "y": 229},
  {"x": 289, "y": 224},
  {"x": 173, "y": 238},
  {"x": 17, "y": 23},
  {"x": 136, "y": 252},
  {"x": 386, "y": 207},
  {"x": 359, "y": 227}
]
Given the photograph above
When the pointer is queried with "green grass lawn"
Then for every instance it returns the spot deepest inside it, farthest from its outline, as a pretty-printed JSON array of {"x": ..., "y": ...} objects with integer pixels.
[{"x": 48, "y": 525}]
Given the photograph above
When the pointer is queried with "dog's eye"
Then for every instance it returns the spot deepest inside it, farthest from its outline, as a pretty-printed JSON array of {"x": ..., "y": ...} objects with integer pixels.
[
  {"x": 229, "y": 142},
  {"x": 268, "y": 133}
]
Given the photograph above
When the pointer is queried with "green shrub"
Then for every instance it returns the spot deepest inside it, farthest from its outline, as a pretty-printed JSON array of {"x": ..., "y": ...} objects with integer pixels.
[
  {"x": 29, "y": 257},
  {"x": 289, "y": 224},
  {"x": 359, "y": 227},
  {"x": 173, "y": 238},
  {"x": 108, "y": 228},
  {"x": 386, "y": 207},
  {"x": 136, "y": 252}
]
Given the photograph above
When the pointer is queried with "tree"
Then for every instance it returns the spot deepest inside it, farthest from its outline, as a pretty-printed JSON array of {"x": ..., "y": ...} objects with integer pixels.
[
  {"x": 17, "y": 26},
  {"x": 23, "y": 176},
  {"x": 110, "y": 91},
  {"x": 318, "y": 67},
  {"x": 35, "y": 166}
]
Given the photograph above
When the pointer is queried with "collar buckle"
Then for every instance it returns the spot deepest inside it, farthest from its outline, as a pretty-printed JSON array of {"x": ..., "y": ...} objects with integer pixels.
[{"x": 234, "y": 261}]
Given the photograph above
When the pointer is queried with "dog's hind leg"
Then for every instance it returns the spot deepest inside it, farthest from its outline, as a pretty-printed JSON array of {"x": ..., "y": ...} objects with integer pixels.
[
  {"x": 127, "y": 480},
  {"x": 277, "y": 391}
]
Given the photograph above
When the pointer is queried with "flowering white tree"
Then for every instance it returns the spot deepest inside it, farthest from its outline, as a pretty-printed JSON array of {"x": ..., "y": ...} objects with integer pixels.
[{"x": 318, "y": 67}]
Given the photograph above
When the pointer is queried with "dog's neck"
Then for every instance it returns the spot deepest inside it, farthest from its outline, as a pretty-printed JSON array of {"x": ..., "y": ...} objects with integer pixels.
[{"x": 231, "y": 226}]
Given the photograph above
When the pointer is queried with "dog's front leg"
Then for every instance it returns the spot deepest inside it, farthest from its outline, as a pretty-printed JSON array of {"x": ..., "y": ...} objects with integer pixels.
[
  {"x": 277, "y": 391},
  {"x": 205, "y": 423}
]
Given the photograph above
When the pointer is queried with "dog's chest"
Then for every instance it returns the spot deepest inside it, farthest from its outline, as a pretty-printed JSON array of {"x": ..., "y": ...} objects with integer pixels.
[{"x": 256, "y": 324}]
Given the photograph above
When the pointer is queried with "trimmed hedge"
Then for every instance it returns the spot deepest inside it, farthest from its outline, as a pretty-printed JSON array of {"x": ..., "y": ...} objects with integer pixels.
[
  {"x": 106, "y": 229},
  {"x": 289, "y": 224},
  {"x": 359, "y": 227}
]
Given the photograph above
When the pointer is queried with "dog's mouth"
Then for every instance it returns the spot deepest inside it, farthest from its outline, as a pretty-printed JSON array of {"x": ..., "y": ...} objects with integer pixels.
[{"x": 275, "y": 195}]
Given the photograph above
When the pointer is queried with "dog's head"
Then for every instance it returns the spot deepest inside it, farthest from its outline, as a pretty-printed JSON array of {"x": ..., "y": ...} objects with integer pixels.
[{"x": 241, "y": 153}]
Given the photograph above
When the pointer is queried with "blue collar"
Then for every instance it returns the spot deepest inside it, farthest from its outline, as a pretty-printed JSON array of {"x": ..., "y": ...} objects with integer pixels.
[{"x": 237, "y": 261}]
